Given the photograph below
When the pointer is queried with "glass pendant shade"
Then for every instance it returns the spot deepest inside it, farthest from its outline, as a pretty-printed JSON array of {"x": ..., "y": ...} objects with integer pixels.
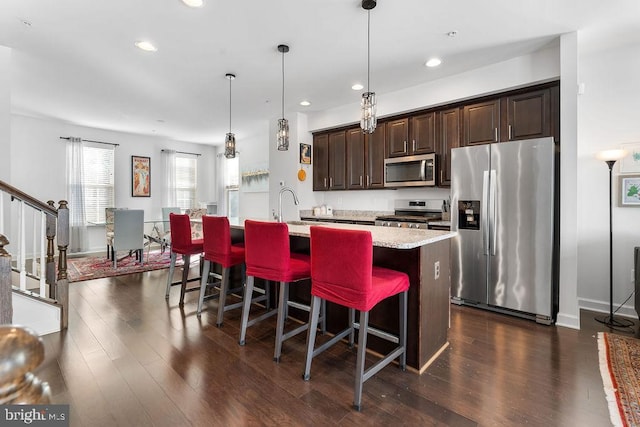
[
  {"x": 283, "y": 134},
  {"x": 230, "y": 146},
  {"x": 368, "y": 120},
  {"x": 230, "y": 139}
]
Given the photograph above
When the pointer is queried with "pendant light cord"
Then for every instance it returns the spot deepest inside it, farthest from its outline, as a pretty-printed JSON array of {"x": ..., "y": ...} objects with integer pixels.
[
  {"x": 368, "y": 50},
  {"x": 230, "y": 104},
  {"x": 283, "y": 84}
]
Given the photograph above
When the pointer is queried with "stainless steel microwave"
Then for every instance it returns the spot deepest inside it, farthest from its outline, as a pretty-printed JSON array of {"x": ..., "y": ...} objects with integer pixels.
[{"x": 410, "y": 171}]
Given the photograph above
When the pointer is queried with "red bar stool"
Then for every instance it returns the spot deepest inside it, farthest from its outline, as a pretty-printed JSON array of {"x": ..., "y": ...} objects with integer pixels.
[
  {"x": 219, "y": 250},
  {"x": 342, "y": 272},
  {"x": 182, "y": 244},
  {"x": 268, "y": 257}
]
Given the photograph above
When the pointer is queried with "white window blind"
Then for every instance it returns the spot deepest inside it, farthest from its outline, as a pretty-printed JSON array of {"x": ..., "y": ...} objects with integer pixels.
[
  {"x": 98, "y": 167},
  {"x": 186, "y": 181},
  {"x": 231, "y": 186}
]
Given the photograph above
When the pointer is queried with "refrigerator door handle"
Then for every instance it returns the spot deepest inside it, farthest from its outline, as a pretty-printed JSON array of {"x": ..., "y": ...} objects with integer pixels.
[
  {"x": 493, "y": 204},
  {"x": 485, "y": 212}
]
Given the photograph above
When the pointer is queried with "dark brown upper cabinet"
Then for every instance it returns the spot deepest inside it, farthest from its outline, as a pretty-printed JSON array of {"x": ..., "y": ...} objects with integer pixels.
[
  {"x": 329, "y": 161},
  {"x": 528, "y": 115},
  {"x": 450, "y": 131},
  {"x": 365, "y": 158},
  {"x": 398, "y": 137},
  {"x": 481, "y": 123},
  {"x": 422, "y": 129}
]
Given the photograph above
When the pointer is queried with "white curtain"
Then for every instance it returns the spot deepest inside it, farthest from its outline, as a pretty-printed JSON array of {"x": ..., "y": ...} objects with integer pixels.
[
  {"x": 75, "y": 196},
  {"x": 169, "y": 189}
]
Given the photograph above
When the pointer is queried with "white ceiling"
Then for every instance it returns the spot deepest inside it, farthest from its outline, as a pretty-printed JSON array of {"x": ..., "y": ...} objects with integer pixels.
[{"x": 76, "y": 61}]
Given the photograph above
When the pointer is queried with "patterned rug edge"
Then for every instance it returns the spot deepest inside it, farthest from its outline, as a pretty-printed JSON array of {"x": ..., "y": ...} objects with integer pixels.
[{"x": 608, "y": 381}]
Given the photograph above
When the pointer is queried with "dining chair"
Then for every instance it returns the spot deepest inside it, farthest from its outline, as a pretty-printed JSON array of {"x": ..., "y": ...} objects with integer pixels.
[
  {"x": 128, "y": 233},
  {"x": 166, "y": 226},
  {"x": 196, "y": 226},
  {"x": 342, "y": 272}
]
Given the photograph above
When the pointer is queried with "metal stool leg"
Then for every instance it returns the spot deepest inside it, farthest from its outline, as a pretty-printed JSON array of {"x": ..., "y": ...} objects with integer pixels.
[
  {"x": 222, "y": 299},
  {"x": 282, "y": 314},
  {"x": 172, "y": 268},
  {"x": 186, "y": 261},
  {"x": 203, "y": 284},
  {"x": 362, "y": 352},
  {"x": 311, "y": 336},
  {"x": 246, "y": 307},
  {"x": 352, "y": 320},
  {"x": 402, "y": 333}
]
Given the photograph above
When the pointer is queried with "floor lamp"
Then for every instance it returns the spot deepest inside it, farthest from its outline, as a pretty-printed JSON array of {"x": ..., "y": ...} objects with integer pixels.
[{"x": 611, "y": 157}]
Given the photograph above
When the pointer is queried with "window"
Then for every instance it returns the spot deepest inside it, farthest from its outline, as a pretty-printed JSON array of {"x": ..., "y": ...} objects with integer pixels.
[
  {"x": 231, "y": 185},
  {"x": 186, "y": 181},
  {"x": 98, "y": 165}
]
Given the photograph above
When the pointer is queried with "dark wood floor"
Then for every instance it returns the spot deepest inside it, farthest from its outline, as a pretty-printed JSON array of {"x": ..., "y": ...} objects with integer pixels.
[{"x": 131, "y": 358}]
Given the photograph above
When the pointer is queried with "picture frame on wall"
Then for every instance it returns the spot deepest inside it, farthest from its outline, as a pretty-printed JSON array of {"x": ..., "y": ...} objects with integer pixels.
[
  {"x": 629, "y": 190},
  {"x": 305, "y": 154},
  {"x": 140, "y": 176},
  {"x": 631, "y": 162}
]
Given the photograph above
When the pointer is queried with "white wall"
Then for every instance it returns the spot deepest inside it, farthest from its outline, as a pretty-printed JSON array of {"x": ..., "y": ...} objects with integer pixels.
[
  {"x": 254, "y": 151},
  {"x": 39, "y": 164},
  {"x": 608, "y": 117},
  {"x": 5, "y": 108}
]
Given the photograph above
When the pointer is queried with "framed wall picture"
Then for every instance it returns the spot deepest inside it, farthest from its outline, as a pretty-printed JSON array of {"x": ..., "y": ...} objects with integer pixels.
[
  {"x": 305, "y": 154},
  {"x": 140, "y": 176},
  {"x": 629, "y": 190},
  {"x": 631, "y": 162}
]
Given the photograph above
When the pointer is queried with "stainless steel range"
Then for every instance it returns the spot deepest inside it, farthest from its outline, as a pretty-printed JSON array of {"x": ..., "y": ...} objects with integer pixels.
[{"x": 412, "y": 213}]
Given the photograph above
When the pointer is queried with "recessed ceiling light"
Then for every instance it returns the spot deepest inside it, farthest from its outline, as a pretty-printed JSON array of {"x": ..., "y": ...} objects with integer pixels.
[
  {"x": 433, "y": 62},
  {"x": 146, "y": 46},
  {"x": 193, "y": 3},
  {"x": 357, "y": 86},
  {"x": 452, "y": 33},
  {"x": 305, "y": 103}
]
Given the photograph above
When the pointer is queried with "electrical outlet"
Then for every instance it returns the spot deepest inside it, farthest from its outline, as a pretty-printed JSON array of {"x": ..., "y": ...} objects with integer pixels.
[
  {"x": 281, "y": 183},
  {"x": 436, "y": 270}
]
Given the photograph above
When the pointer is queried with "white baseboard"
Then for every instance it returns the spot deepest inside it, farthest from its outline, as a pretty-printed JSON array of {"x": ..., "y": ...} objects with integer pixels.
[{"x": 627, "y": 310}]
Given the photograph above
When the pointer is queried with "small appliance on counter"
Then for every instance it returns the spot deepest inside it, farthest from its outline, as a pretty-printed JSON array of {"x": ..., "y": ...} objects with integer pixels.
[{"x": 322, "y": 210}]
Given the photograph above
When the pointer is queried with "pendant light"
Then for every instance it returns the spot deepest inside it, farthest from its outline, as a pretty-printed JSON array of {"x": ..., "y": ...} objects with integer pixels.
[
  {"x": 230, "y": 139},
  {"x": 282, "y": 136},
  {"x": 368, "y": 119}
]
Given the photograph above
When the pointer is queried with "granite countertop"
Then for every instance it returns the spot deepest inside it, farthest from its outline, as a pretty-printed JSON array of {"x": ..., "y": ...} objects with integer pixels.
[
  {"x": 442, "y": 223},
  {"x": 363, "y": 218},
  {"x": 387, "y": 237}
]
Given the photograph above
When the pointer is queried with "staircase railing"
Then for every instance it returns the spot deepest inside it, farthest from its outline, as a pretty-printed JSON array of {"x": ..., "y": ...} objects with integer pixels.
[{"x": 48, "y": 225}]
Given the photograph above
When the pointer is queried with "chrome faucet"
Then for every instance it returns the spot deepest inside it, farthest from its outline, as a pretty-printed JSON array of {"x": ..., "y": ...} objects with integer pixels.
[{"x": 295, "y": 200}]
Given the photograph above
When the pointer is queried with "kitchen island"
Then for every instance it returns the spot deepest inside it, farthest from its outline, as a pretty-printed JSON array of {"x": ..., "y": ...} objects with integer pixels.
[{"x": 423, "y": 255}]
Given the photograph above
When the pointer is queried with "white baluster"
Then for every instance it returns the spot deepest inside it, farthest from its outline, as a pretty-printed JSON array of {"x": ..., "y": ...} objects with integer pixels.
[
  {"x": 43, "y": 238},
  {"x": 34, "y": 266},
  {"x": 22, "y": 249},
  {"x": 1, "y": 213}
]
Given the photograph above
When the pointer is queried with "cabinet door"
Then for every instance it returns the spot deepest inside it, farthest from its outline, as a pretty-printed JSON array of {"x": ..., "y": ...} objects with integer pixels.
[
  {"x": 321, "y": 162},
  {"x": 356, "y": 171},
  {"x": 398, "y": 138},
  {"x": 337, "y": 161},
  {"x": 528, "y": 115},
  {"x": 481, "y": 122},
  {"x": 376, "y": 143},
  {"x": 423, "y": 134},
  {"x": 449, "y": 138}
]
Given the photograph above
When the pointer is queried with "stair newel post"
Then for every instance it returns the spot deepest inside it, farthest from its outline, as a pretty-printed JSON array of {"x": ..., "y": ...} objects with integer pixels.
[
  {"x": 62, "y": 286},
  {"x": 6, "y": 294},
  {"x": 51, "y": 263}
]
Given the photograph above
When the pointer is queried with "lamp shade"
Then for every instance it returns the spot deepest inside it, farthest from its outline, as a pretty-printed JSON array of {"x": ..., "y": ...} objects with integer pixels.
[
  {"x": 230, "y": 146},
  {"x": 611, "y": 155}
]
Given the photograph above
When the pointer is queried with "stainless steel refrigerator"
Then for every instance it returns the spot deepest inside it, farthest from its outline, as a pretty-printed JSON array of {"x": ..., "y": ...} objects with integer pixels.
[{"x": 502, "y": 206}]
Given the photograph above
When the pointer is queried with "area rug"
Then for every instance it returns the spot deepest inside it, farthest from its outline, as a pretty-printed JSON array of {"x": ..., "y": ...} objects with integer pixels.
[
  {"x": 88, "y": 268},
  {"x": 620, "y": 370}
]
